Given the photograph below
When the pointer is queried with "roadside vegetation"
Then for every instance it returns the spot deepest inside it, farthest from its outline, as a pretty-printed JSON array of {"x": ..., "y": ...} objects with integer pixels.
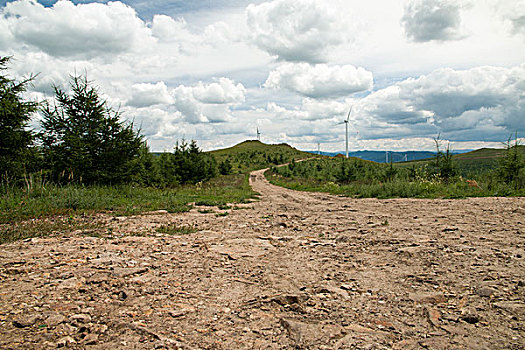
[
  {"x": 84, "y": 159},
  {"x": 445, "y": 176}
]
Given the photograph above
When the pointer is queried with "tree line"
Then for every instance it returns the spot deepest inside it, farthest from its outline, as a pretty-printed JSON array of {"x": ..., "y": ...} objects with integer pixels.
[{"x": 81, "y": 140}]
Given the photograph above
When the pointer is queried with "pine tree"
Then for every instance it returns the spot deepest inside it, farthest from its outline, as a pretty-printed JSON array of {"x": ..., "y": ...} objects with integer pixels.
[
  {"x": 15, "y": 113},
  {"x": 83, "y": 140}
]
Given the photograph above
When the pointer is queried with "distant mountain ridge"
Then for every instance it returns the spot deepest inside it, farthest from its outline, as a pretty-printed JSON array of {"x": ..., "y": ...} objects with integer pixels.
[{"x": 380, "y": 156}]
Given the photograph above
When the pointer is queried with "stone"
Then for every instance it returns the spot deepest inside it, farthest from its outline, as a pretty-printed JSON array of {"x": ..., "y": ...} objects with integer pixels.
[
  {"x": 80, "y": 318},
  {"x": 26, "y": 321},
  {"x": 91, "y": 339},
  {"x": 66, "y": 342},
  {"x": 485, "y": 292},
  {"x": 55, "y": 319},
  {"x": 122, "y": 295},
  {"x": 469, "y": 315},
  {"x": 433, "y": 316},
  {"x": 284, "y": 300}
]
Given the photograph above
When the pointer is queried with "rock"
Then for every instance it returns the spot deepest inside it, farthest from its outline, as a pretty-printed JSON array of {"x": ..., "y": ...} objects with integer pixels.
[
  {"x": 331, "y": 290},
  {"x": 91, "y": 339},
  {"x": 65, "y": 342},
  {"x": 80, "y": 318},
  {"x": 346, "y": 287},
  {"x": 511, "y": 306},
  {"x": 433, "y": 316},
  {"x": 353, "y": 327},
  {"x": 122, "y": 295},
  {"x": 177, "y": 313},
  {"x": 469, "y": 315},
  {"x": 128, "y": 271},
  {"x": 429, "y": 298},
  {"x": 26, "y": 321},
  {"x": 284, "y": 300},
  {"x": 485, "y": 292},
  {"x": 71, "y": 283},
  {"x": 55, "y": 319}
]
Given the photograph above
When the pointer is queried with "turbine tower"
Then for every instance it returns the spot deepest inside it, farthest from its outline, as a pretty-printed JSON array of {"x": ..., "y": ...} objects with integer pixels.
[
  {"x": 258, "y": 134},
  {"x": 346, "y": 125}
]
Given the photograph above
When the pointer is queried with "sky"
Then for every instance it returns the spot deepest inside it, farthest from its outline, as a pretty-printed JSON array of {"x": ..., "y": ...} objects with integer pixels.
[{"x": 216, "y": 70}]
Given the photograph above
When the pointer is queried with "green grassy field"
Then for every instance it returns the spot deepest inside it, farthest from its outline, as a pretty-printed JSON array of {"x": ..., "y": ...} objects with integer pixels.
[{"x": 28, "y": 213}]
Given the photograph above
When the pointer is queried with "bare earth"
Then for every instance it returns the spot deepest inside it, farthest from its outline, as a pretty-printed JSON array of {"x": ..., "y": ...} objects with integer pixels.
[{"x": 292, "y": 271}]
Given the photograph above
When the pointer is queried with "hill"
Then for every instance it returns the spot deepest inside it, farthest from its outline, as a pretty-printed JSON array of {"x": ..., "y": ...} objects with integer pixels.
[
  {"x": 253, "y": 154},
  {"x": 475, "y": 161}
]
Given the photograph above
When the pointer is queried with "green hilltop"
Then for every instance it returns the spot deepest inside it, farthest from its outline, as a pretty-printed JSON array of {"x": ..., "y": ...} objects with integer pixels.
[{"x": 253, "y": 154}]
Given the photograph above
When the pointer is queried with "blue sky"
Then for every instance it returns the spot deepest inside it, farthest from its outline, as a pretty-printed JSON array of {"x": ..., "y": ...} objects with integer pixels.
[{"x": 216, "y": 70}]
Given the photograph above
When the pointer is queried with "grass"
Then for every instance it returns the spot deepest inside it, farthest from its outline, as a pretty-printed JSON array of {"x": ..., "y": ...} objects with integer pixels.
[
  {"x": 362, "y": 179},
  {"x": 50, "y": 226},
  {"x": 17, "y": 205},
  {"x": 173, "y": 229}
]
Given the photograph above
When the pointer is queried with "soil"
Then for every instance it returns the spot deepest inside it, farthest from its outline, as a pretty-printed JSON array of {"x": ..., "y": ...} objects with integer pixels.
[{"x": 294, "y": 270}]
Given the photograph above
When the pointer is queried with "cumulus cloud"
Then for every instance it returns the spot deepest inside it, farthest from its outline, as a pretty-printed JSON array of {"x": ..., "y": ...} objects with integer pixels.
[
  {"x": 320, "y": 80},
  {"x": 145, "y": 95},
  {"x": 221, "y": 92},
  {"x": 86, "y": 30},
  {"x": 297, "y": 30},
  {"x": 450, "y": 101},
  {"x": 208, "y": 102},
  {"x": 310, "y": 110},
  {"x": 513, "y": 13},
  {"x": 427, "y": 20}
]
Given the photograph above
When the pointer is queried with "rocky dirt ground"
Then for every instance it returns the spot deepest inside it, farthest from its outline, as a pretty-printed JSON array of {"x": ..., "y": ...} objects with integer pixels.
[{"x": 291, "y": 271}]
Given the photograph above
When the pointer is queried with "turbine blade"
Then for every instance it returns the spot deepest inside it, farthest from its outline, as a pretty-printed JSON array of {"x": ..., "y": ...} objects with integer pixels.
[{"x": 348, "y": 117}]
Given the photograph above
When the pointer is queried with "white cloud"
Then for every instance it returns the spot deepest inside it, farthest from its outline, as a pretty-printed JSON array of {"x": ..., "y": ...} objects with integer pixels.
[
  {"x": 84, "y": 30},
  {"x": 427, "y": 20},
  {"x": 166, "y": 28},
  {"x": 221, "y": 92},
  {"x": 144, "y": 95},
  {"x": 188, "y": 106},
  {"x": 513, "y": 12},
  {"x": 464, "y": 105},
  {"x": 208, "y": 102},
  {"x": 311, "y": 109},
  {"x": 320, "y": 80},
  {"x": 298, "y": 30}
]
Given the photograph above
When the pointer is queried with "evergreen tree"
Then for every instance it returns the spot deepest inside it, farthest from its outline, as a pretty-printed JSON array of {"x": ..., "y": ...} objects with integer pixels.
[
  {"x": 186, "y": 165},
  {"x": 225, "y": 167},
  {"x": 15, "y": 140},
  {"x": 512, "y": 164},
  {"x": 83, "y": 140}
]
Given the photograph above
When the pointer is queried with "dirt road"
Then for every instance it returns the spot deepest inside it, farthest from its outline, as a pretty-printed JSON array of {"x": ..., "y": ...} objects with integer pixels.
[{"x": 291, "y": 271}]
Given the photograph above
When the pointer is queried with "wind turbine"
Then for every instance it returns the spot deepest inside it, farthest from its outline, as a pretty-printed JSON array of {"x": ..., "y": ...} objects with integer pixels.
[
  {"x": 346, "y": 125},
  {"x": 258, "y": 134}
]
